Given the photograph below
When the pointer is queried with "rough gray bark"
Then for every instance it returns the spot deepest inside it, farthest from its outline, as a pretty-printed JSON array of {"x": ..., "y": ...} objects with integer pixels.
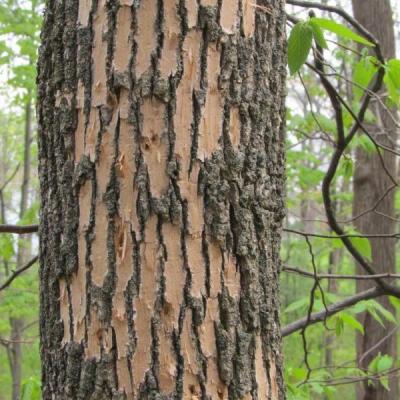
[
  {"x": 370, "y": 183},
  {"x": 161, "y": 128}
]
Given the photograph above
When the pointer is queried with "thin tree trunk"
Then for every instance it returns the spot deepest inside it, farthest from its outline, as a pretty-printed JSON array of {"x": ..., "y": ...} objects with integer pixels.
[
  {"x": 161, "y": 168},
  {"x": 18, "y": 323},
  {"x": 370, "y": 182}
]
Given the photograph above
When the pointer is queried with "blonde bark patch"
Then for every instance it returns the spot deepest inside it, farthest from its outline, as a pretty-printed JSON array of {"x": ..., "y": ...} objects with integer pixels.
[
  {"x": 234, "y": 127},
  {"x": 99, "y": 247},
  {"x": 273, "y": 378},
  {"x": 214, "y": 386},
  {"x": 172, "y": 29},
  {"x": 183, "y": 117},
  {"x": 98, "y": 338},
  {"x": 123, "y": 38},
  {"x": 154, "y": 144},
  {"x": 99, "y": 54},
  {"x": 191, "y": 384},
  {"x": 80, "y": 136},
  {"x": 174, "y": 286},
  {"x": 261, "y": 377},
  {"x": 92, "y": 133},
  {"x": 146, "y": 37},
  {"x": 126, "y": 170},
  {"x": 174, "y": 275},
  {"x": 84, "y": 11},
  {"x": 78, "y": 283},
  {"x": 192, "y": 10},
  {"x": 249, "y": 17},
  {"x": 232, "y": 277},
  {"x": 144, "y": 303},
  {"x": 64, "y": 309},
  {"x": 211, "y": 122},
  {"x": 196, "y": 265},
  {"x": 229, "y": 16},
  {"x": 124, "y": 379},
  {"x": 124, "y": 270}
]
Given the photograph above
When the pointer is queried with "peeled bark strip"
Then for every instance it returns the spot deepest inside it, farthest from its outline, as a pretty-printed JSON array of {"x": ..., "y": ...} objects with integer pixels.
[{"x": 162, "y": 183}]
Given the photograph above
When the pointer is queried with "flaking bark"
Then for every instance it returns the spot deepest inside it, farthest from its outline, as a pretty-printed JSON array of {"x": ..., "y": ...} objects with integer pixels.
[{"x": 162, "y": 180}]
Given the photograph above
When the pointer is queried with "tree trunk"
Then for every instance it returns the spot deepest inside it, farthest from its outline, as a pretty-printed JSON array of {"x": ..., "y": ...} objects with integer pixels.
[
  {"x": 162, "y": 184},
  {"x": 370, "y": 183},
  {"x": 17, "y": 324}
]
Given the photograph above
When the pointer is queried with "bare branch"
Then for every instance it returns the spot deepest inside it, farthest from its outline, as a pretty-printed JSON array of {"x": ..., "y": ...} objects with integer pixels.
[
  {"x": 287, "y": 268},
  {"x": 332, "y": 310},
  {"x": 18, "y": 272},
  {"x": 19, "y": 230},
  {"x": 344, "y": 235}
]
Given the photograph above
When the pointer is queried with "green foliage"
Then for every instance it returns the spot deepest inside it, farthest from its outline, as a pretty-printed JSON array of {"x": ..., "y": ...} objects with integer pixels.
[
  {"x": 303, "y": 32},
  {"x": 318, "y": 34},
  {"x": 378, "y": 366},
  {"x": 299, "y": 45},
  {"x": 362, "y": 245},
  {"x": 340, "y": 30},
  {"x": 392, "y": 80},
  {"x": 363, "y": 73},
  {"x": 31, "y": 389}
]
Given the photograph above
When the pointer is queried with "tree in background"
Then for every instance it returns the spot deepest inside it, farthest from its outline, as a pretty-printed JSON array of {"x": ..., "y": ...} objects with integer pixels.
[
  {"x": 161, "y": 171},
  {"x": 375, "y": 178}
]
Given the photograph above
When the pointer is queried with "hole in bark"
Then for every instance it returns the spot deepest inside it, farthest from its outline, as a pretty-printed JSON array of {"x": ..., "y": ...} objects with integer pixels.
[
  {"x": 167, "y": 308},
  {"x": 192, "y": 389}
]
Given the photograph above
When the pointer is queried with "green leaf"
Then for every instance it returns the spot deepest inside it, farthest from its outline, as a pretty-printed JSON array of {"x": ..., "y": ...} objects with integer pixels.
[
  {"x": 299, "y": 45},
  {"x": 385, "y": 382},
  {"x": 339, "y": 325},
  {"x": 352, "y": 321},
  {"x": 340, "y": 30},
  {"x": 363, "y": 246},
  {"x": 384, "y": 363},
  {"x": 318, "y": 35},
  {"x": 31, "y": 389},
  {"x": 376, "y": 316},
  {"x": 381, "y": 363},
  {"x": 382, "y": 310},
  {"x": 299, "y": 304},
  {"x": 364, "y": 71},
  {"x": 392, "y": 79}
]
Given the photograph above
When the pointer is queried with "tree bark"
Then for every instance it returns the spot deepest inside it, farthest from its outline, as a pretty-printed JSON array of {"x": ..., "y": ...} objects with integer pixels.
[
  {"x": 370, "y": 182},
  {"x": 161, "y": 128}
]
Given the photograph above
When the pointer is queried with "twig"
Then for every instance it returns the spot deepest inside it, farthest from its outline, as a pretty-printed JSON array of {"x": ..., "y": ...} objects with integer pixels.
[
  {"x": 10, "y": 178},
  {"x": 344, "y": 235},
  {"x": 287, "y": 268},
  {"x": 18, "y": 272}
]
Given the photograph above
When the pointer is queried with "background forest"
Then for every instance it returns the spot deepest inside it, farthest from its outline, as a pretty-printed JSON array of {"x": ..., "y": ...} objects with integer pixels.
[{"x": 321, "y": 361}]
